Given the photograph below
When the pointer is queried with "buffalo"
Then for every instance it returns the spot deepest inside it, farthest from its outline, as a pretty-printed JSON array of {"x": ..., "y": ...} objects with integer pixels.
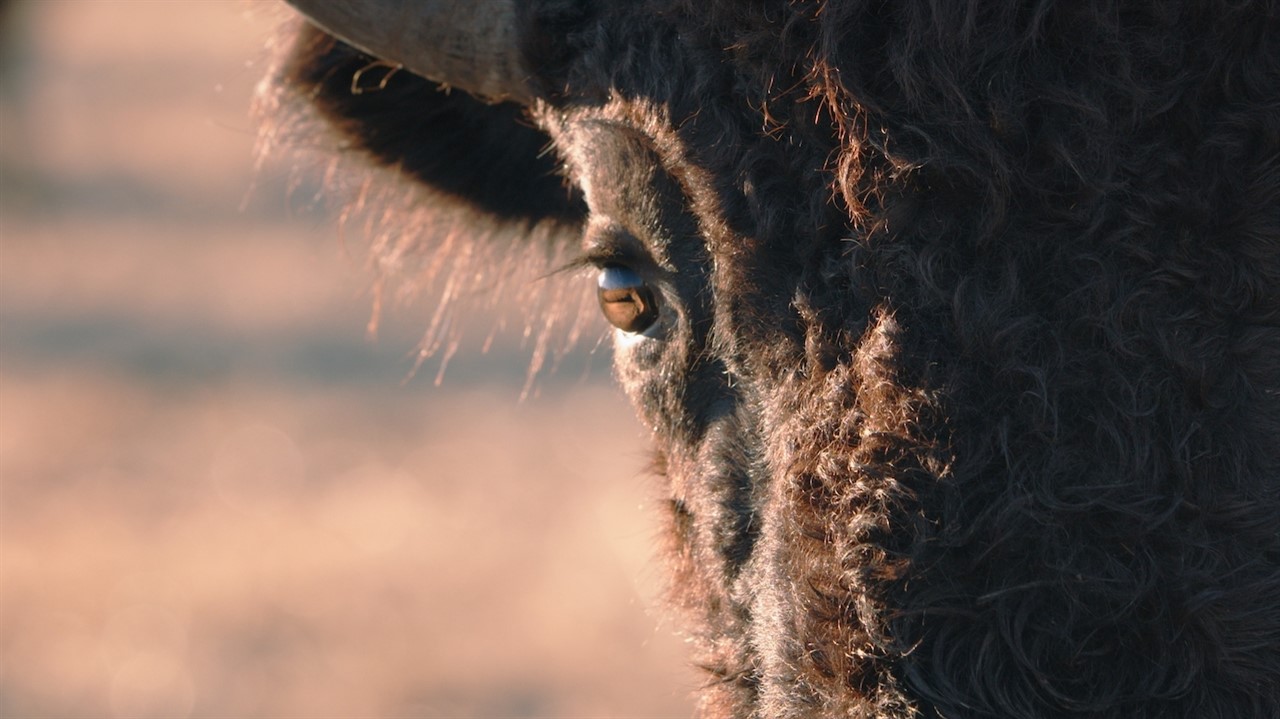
[{"x": 956, "y": 324}]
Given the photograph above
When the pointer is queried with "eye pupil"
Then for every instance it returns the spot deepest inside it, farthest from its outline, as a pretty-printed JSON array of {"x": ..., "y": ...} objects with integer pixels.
[{"x": 625, "y": 299}]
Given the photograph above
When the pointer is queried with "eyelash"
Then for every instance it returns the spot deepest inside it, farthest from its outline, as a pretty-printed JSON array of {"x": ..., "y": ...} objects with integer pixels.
[{"x": 602, "y": 255}]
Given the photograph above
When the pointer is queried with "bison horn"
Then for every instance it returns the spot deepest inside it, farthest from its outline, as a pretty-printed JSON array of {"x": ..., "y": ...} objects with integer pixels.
[{"x": 469, "y": 44}]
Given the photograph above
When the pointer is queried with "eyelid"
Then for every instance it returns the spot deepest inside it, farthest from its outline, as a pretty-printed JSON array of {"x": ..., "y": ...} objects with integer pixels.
[
  {"x": 598, "y": 258},
  {"x": 604, "y": 249},
  {"x": 610, "y": 244},
  {"x": 605, "y": 256}
]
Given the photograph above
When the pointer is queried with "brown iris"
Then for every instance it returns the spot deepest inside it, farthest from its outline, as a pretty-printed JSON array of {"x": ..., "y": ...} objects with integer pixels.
[{"x": 626, "y": 300}]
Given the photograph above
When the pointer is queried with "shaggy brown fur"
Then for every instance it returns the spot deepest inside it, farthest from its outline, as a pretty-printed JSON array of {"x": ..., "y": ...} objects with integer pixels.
[{"x": 967, "y": 388}]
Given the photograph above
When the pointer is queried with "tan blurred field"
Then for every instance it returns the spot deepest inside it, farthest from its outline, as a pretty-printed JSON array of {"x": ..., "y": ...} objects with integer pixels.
[{"x": 219, "y": 499}]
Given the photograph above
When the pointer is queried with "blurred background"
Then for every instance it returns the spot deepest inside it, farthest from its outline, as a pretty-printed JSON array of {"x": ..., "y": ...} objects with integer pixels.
[{"x": 218, "y": 497}]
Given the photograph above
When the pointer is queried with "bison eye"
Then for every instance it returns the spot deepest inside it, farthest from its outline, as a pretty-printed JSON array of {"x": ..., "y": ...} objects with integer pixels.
[{"x": 626, "y": 300}]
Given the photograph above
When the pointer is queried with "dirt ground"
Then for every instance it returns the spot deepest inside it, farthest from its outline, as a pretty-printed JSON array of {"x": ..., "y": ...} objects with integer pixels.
[{"x": 219, "y": 498}]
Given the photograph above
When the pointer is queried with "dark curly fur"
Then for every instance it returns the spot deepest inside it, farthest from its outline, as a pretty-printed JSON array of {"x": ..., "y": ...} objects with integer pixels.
[{"x": 972, "y": 407}]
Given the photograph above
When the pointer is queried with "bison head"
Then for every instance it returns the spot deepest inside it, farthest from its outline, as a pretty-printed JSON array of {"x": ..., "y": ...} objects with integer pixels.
[{"x": 956, "y": 325}]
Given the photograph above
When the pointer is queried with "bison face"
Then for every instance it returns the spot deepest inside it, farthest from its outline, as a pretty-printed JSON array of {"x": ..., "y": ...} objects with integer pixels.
[
  {"x": 685, "y": 371},
  {"x": 956, "y": 329}
]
